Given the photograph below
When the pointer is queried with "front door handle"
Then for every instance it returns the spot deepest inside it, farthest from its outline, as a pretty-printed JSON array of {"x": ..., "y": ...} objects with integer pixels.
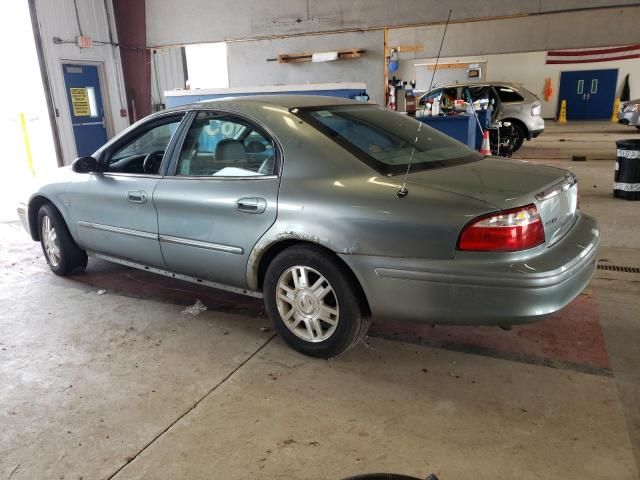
[
  {"x": 251, "y": 204},
  {"x": 137, "y": 196}
]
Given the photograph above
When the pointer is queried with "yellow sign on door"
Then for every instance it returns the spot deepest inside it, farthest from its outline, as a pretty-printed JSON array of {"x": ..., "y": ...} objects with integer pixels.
[{"x": 80, "y": 102}]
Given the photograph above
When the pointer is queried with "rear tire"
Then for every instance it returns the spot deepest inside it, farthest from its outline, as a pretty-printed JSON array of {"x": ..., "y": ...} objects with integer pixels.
[
  {"x": 313, "y": 302},
  {"x": 63, "y": 255}
]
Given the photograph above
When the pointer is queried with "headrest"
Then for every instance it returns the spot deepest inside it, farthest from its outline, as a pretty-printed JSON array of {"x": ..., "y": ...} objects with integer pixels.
[
  {"x": 229, "y": 149},
  {"x": 255, "y": 147}
]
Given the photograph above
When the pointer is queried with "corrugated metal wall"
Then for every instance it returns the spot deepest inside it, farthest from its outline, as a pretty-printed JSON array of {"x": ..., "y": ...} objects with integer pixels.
[
  {"x": 167, "y": 73},
  {"x": 58, "y": 19}
]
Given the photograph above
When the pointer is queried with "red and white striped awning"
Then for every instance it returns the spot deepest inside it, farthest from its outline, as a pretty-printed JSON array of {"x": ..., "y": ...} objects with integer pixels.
[{"x": 587, "y": 55}]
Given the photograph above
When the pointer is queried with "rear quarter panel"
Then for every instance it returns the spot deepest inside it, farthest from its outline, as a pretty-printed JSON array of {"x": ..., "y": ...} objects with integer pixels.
[{"x": 329, "y": 197}]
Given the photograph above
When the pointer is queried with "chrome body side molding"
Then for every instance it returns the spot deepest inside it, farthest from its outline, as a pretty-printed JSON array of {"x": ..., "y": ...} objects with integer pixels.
[
  {"x": 163, "y": 238},
  {"x": 198, "y": 244},
  {"x": 123, "y": 231}
]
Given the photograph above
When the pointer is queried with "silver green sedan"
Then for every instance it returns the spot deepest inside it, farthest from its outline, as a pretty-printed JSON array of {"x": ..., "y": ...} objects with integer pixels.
[{"x": 301, "y": 200}]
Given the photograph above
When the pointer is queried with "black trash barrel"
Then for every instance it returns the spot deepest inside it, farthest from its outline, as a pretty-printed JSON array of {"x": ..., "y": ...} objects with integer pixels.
[{"x": 626, "y": 183}]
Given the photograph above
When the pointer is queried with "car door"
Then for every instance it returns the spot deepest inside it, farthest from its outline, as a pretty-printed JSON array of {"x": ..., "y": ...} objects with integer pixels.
[
  {"x": 220, "y": 198},
  {"x": 113, "y": 209},
  {"x": 483, "y": 97},
  {"x": 84, "y": 97}
]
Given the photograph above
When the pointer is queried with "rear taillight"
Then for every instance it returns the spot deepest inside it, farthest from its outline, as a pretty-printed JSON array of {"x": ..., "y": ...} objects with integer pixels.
[{"x": 507, "y": 231}]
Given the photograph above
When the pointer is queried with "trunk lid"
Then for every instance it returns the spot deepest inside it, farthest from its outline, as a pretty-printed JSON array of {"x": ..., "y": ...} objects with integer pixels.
[{"x": 510, "y": 183}]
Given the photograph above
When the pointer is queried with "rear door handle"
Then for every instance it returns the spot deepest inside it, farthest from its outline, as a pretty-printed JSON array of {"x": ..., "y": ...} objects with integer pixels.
[
  {"x": 251, "y": 204},
  {"x": 137, "y": 196}
]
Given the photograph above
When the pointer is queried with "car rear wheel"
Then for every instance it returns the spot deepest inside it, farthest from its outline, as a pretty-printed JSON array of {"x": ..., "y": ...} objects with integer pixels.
[
  {"x": 313, "y": 302},
  {"x": 63, "y": 255}
]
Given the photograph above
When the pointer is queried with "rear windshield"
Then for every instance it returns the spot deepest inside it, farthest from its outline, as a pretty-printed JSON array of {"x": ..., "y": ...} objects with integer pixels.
[{"x": 384, "y": 139}]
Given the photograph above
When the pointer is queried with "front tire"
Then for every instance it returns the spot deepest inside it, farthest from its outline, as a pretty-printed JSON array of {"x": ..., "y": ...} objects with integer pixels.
[
  {"x": 63, "y": 255},
  {"x": 313, "y": 302},
  {"x": 519, "y": 136}
]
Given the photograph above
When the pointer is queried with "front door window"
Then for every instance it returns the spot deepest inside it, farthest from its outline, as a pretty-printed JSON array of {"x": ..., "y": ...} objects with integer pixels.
[{"x": 143, "y": 154}]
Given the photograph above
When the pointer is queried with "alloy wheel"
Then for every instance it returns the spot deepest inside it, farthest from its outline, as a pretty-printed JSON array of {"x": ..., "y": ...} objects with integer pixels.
[
  {"x": 50, "y": 241},
  {"x": 307, "y": 304}
]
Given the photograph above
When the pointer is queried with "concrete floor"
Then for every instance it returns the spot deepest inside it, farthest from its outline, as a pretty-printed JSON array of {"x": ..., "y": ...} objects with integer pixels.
[{"x": 123, "y": 385}]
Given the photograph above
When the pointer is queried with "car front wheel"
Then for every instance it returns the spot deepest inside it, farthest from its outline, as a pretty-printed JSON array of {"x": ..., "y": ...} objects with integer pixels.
[
  {"x": 519, "y": 136},
  {"x": 63, "y": 255},
  {"x": 314, "y": 303}
]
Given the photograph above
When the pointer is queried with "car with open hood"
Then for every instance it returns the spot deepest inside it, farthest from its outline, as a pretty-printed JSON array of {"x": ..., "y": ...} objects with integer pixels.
[
  {"x": 630, "y": 113},
  {"x": 511, "y": 102}
]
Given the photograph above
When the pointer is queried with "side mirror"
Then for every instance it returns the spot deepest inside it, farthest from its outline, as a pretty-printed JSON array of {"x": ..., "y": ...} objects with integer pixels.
[{"x": 84, "y": 165}]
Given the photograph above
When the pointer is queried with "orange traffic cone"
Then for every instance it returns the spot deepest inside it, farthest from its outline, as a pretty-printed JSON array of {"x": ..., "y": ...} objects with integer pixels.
[{"x": 485, "y": 148}]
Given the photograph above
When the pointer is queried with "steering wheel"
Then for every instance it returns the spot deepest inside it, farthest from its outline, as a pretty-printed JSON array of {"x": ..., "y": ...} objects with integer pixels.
[{"x": 151, "y": 163}]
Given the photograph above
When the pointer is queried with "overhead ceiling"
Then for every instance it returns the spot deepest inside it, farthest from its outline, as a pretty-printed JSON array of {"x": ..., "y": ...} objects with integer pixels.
[{"x": 201, "y": 21}]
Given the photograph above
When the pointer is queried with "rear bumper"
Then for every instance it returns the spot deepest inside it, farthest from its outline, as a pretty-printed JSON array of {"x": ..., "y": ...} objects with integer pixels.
[{"x": 478, "y": 289}]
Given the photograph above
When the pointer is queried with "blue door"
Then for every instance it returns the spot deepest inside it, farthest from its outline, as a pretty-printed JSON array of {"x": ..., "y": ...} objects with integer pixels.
[
  {"x": 589, "y": 93},
  {"x": 84, "y": 96}
]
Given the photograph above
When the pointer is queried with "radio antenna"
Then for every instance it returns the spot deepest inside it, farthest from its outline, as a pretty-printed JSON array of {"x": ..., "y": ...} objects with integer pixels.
[{"x": 403, "y": 189}]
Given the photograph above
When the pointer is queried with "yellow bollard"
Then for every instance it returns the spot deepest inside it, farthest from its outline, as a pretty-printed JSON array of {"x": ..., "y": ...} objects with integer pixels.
[
  {"x": 616, "y": 109},
  {"x": 27, "y": 145},
  {"x": 563, "y": 112}
]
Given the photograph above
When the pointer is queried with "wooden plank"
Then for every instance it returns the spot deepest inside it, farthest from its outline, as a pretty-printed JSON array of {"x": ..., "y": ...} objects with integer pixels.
[
  {"x": 294, "y": 57},
  {"x": 410, "y": 48},
  {"x": 307, "y": 56},
  {"x": 447, "y": 66}
]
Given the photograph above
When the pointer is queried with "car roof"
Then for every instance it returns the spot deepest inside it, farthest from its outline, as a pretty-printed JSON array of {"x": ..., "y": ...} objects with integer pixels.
[
  {"x": 285, "y": 101},
  {"x": 464, "y": 84}
]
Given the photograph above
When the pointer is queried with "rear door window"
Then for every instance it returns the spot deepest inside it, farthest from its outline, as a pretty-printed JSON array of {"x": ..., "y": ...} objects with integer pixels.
[
  {"x": 224, "y": 145},
  {"x": 508, "y": 95}
]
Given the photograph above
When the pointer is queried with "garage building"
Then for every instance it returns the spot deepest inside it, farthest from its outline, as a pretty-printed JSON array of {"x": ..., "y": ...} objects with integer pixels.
[{"x": 157, "y": 358}]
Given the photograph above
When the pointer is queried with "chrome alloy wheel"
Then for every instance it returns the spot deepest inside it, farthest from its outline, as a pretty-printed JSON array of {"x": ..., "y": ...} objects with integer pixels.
[
  {"x": 50, "y": 241},
  {"x": 307, "y": 304}
]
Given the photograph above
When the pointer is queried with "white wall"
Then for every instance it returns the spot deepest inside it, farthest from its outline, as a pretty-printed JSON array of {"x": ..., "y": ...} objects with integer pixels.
[
  {"x": 530, "y": 70},
  {"x": 58, "y": 19},
  {"x": 248, "y": 64},
  {"x": 554, "y": 31},
  {"x": 200, "y": 21}
]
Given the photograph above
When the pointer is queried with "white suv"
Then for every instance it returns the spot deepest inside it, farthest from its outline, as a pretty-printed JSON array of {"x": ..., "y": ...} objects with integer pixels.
[{"x": 511, "y": 102}]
